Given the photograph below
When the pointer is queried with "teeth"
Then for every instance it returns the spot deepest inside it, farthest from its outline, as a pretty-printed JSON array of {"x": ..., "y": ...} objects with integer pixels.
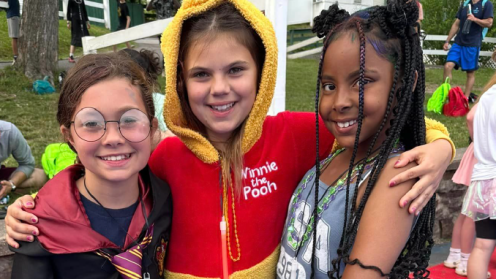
[
  {"x": 346, "y": 124},
  {"x": 116, "y": 158},
  {"x": 223, "y": 107}
]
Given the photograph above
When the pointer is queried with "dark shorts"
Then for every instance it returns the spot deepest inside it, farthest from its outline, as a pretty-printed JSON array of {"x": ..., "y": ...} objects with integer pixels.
[
  {"x": 466, "y": 58},
  {"x": 5, "y": 172},
  {"x": 486, "y": 229}
]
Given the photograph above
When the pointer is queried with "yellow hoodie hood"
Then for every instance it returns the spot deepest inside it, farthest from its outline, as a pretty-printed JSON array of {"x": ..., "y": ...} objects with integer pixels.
[{"x": 173, "y": 114}]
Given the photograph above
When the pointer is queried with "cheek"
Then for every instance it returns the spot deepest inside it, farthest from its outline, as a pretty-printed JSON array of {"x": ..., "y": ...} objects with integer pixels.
[{"x": 325, "y": 105}]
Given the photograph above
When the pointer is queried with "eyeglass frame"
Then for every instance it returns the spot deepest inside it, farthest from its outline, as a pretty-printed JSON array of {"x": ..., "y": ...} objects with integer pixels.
[{"x": 105, "y": 127}]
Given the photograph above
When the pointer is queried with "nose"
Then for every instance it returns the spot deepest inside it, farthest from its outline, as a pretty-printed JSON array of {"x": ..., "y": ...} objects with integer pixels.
[
  {"x": 220, "y": 85},
  {"x": 342, "y": 100},
  {"x": 112, "y": 135}
]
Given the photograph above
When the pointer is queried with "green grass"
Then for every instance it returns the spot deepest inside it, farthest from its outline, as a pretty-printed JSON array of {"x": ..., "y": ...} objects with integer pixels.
[
  {"x": 64, "y": 39},
  {"x": 300, "y": 92}
]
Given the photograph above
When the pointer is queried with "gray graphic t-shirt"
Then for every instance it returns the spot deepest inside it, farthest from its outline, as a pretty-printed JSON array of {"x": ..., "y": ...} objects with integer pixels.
[{"x": 294, "y": 264}]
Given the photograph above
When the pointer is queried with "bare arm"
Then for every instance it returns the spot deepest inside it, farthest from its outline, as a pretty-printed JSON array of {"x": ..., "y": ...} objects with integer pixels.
[
  {"x": 128, "y": 22},
  {"x": 384, "y": 227},
  {"x": 486, "y": 23},
  {"x": 454, "y": 29},
  {"x": 470, "y": 120}
]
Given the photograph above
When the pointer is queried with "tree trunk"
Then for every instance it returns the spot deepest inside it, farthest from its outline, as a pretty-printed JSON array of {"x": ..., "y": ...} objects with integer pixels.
[{"x": 39, "y": 38}]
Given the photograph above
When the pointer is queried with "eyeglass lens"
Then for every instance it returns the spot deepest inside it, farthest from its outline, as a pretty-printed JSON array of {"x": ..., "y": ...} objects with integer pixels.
[{"x": 90, "y": 125}]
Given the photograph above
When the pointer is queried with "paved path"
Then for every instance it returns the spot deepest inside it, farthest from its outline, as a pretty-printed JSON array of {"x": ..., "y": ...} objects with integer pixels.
[{"x": 148, "y": 43}]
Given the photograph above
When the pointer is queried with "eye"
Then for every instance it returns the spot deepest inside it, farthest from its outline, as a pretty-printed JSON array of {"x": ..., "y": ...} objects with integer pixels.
[
  {"x": 92, "y": 125},
  {"x": 235, "y": 70},
  {"x": 200, "y": 75},
  {"x": 128, "y": 120},
  {"x": 365, "y": 82},
  {"x": 329, "y": 87}
]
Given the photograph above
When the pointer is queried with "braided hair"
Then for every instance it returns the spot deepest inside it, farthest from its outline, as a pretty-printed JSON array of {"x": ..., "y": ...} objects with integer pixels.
[{"x": 390, "y": 30}]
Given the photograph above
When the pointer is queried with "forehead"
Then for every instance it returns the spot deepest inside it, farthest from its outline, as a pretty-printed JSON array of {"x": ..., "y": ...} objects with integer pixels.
[
  {"x": 112, "y": 96},
  {"x": 216, "y": 51},
  {"x": 343, "y": 53}
]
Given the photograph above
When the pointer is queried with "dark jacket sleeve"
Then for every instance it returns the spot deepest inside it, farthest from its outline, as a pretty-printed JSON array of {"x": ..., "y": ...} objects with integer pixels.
[
  {"x": 69, "y": 12},
  {"x": 31, "y": 267}
]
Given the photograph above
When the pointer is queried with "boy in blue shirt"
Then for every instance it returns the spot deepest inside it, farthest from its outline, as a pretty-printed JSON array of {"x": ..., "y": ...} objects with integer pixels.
[{"x": 472, "y": 17}]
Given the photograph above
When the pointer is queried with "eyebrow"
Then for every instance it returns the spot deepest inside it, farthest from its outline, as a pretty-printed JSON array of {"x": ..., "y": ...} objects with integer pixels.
[
  {"x": 201, "y": 69},
  {"x": 353, "y": 74}
]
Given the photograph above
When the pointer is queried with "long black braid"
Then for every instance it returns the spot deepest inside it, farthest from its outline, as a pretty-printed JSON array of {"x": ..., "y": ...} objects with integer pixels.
[{"x": 392, "y": 25}]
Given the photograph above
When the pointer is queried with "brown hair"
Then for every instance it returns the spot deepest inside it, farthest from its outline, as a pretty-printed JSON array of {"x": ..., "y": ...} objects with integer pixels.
[
  {"x": 148, "y": 60},
  {"x": 94, "y": 68},
  {"x": 207, "y": 26}
]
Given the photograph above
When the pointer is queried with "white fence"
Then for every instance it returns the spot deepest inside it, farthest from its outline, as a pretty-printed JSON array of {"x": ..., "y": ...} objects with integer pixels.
[{"x": 426, "y": 52}]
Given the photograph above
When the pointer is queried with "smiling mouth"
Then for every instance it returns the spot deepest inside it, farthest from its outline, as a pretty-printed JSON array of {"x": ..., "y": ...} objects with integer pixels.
[
  {"x": 116, "y": 158},
  {"x": 346, "y": 124},
  {"x": 223, "y": 108}
]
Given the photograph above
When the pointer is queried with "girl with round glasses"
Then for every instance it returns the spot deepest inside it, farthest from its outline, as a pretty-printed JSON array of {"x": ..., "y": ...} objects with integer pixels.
[{"x": 108, "y": 216}]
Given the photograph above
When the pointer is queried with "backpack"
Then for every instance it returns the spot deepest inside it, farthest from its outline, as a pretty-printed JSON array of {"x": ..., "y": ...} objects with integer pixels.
[
  {"x": 484, "y": 30},
  {"x": 43, "y": 86},
  {"x": 457, "y": 104},
  {"x": 436, "y": 102}
]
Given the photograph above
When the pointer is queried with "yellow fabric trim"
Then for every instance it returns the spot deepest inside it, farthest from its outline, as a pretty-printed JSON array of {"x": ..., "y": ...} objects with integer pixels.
[
  {"x": 434, "y": 130},
  {"x": 265, "y": 269},
  {"x": 173, "y": 115}
]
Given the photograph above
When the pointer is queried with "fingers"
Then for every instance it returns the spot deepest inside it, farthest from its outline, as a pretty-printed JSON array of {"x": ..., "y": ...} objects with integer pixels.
[
  {"x": 406, "y": 175},
  {"x": 20, "y": 232},
  {"x": 406, "y": 157},
  {"x": 419, "y": 195},
  {"x": 11, "y": 241},
  {"x": 15, "y": 212},
  {"x": 419, "y": 203},
  {"x": 26, "y": 201}
]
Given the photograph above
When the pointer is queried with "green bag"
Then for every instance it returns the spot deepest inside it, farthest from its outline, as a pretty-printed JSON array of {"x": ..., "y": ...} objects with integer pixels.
[
  {"x": 57, "y": 157},
  {"x": 436, "y": 102}
]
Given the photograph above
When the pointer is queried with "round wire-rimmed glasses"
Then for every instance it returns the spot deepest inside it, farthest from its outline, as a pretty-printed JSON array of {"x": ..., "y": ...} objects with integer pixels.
[{"x": 90, "y": 125}]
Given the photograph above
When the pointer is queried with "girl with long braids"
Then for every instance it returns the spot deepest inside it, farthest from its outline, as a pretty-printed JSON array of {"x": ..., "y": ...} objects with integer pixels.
[
  {"x": 232, "y": 170},
  {"x": 370, "y": 95}
]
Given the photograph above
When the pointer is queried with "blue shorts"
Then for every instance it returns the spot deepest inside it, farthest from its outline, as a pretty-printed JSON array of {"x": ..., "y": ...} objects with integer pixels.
[{"x": 465, "y": 57}]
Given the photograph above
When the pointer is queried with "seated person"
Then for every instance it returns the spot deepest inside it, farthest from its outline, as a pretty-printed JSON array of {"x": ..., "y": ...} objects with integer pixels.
[{"x": 25, "y": 175}]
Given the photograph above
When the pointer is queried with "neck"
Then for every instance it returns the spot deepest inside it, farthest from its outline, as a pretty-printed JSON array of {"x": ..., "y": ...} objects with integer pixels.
[
  {"x": 111, "y": 195},
  {"x": 363, "y": 147}
]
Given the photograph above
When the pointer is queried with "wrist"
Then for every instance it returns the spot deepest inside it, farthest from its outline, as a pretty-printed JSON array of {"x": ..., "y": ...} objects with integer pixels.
[{"x": 13, "y": 187}]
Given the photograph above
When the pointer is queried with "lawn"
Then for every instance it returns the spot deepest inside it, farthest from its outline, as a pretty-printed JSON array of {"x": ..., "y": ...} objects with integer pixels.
[
  {"x": 35, "y": 115},
  {"x": 64, "y": 39}
]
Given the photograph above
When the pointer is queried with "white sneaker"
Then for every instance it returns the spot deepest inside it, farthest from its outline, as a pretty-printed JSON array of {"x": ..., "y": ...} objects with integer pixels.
[
  {"x": 461, "y": 269},
  {"x": 452, "y": 261}
]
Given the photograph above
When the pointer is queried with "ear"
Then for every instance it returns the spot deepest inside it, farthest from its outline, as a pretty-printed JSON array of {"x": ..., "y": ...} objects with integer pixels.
[
  {"x": 66, "y": 132},
  {"x": 415, "y": 82}
]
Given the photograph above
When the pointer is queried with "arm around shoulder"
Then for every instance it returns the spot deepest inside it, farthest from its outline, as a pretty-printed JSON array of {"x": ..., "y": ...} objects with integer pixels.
[{"x": 384, "y": 227}]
